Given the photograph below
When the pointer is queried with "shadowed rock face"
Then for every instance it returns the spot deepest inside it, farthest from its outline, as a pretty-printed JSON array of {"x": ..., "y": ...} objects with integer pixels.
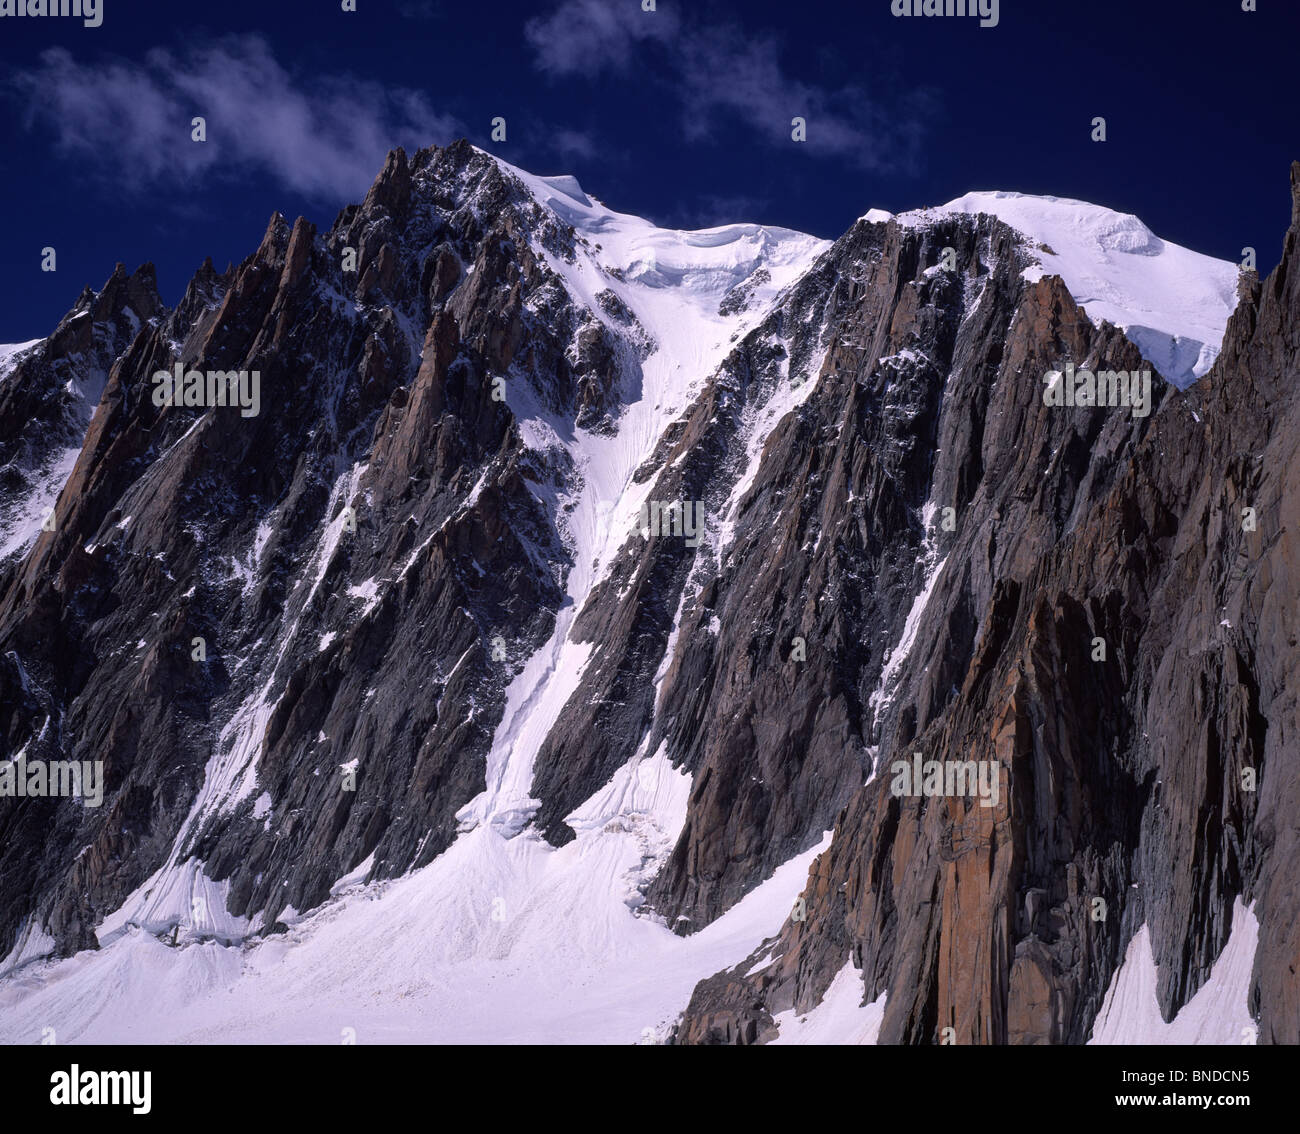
[
  {"x": 906, "y": 553},
  {"x": 46, "y": 400},
  {"x": 1123, "y": 778},
  {"x": 179, "y": 524}
]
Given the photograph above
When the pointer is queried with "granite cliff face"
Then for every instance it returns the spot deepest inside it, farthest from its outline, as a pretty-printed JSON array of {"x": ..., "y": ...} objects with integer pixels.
[
  {"x": 412, "y": 597},
  {"x": 1124, "y": 779}
]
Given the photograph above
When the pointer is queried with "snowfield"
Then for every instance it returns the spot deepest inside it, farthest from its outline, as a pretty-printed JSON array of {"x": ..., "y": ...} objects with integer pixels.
[{"x": 497, "y": 941}]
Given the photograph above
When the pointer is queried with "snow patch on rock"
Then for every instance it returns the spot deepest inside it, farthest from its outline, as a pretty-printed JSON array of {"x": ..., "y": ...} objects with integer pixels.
[
  {"x": 840, "y": 1018},
  {"x": 1217, "y": 1014}
]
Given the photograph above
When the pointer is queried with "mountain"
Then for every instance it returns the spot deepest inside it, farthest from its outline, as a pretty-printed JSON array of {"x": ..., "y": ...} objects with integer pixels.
[{"x": 536, "y": 661}]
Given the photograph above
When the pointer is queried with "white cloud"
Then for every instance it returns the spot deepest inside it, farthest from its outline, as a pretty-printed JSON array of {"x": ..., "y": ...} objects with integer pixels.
[
  {"x": 324, "y": 136},
  {"x": 585, "y": 37},
  {"x": 721, "y": 74},
  {"x": 575, "y": 143}
]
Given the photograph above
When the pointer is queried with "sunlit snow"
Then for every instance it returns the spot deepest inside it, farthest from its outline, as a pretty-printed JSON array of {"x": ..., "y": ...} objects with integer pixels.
[{"x": 1172, "y": 303}]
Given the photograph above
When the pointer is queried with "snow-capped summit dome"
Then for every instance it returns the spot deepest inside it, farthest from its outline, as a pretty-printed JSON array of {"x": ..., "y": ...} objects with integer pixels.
[{"x": 1173, "y": 303}]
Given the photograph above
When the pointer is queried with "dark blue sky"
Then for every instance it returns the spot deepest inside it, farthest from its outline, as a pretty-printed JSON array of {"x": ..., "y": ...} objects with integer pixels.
[{"x": 682, "y": 115}]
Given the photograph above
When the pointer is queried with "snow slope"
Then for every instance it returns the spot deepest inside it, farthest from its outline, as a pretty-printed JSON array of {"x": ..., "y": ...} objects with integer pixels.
[
  {"x": 10, "y": 353},
  {"x": 673, "y": 282},
  {"x": 498, "y": 941},
  {"x": 21, "y": 521},
  {"x": 1172, "y": 303},
  {"x": 1217, "y": 1014}
]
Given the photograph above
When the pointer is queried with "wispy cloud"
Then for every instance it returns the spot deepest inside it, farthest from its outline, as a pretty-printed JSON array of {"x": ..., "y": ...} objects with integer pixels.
[
  {"x": 722, "y": 74},
  {"x": 323, "y": 137},
  {"x": 418, "y": 10},
  {"x": 585, "y": 37},
  {"x": 575, "y": 144}
]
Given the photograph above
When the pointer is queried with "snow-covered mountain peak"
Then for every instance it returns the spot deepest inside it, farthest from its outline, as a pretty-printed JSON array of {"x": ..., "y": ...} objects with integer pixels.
[
  {"x": 700, "y": 267},
  {"x": 1173, "y": 303},
  {"x": 540, "y": 769}
]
